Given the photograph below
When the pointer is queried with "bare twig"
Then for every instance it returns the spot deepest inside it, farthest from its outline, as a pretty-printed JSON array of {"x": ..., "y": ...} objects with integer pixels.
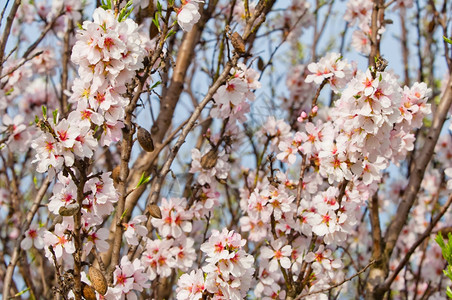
[
  {"x": 16, "y": 252},
  {"x": 338, "y": 284}
]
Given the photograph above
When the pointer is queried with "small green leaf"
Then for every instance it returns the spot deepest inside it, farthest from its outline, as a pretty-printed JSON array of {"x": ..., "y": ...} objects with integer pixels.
[
  {"x": 9, "y": 92},
  {"x": 55, "y": 116},
  {"x": 143, "y": 180},
  {"x": 447, "y": 40},
  {"x": 156, "y": 84},
  {"x": 449, "y": 293},
  {"x": 170, "y": 33},
  {"x": 126, "y": 11},
  {"x": 156, "y": 21},
  {"x": 124, "y": 214},
  {"x": 159, "y": 7},
  {"x": 44, "y": 112},
  {"x": 427, "y": 122},
  {"x": 35, "y": 181},
  {"x": 21, "y": 293}
]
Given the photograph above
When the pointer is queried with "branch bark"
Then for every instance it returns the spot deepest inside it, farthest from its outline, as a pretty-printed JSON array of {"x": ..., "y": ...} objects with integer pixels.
[{"x": 16, "y": 252}]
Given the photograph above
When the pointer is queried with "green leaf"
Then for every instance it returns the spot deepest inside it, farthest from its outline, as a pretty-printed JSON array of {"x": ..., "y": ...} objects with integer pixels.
[
  {"x": 35, "y": 181},
  {"x": 105, "y": 4},
  {"x": 124, "y": 214},
  {"x": 9, "y": 92},
  {"x": 55, "y": 116},
  {"x": 156, "y": 21},
  {"x": 156, "y": 84},
  {"x": 427, "y": 122},
  {"x": 447, "y": 40},
  {"x": 159, "y": 7},
  {"x": 44, "y": 112},
  {"x": 449, "y": 292},
  {"x": 170, "y": 33},
  {"x": 21, "y": 292},
  {"x": 143, "y": 180},
  {"x": 125, "y": 12}
]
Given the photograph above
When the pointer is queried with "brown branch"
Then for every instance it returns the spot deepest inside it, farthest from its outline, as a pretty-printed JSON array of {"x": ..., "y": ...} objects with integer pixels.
[
  {"x": 6, "y": 32},
  {"x": 426, "y": 234},
  {"x": 15, "y": 256},
  {"x": 43, "y": 34},
  {"x": 338, "y": 284},
  {"x": 377, "y": 17},
  {"x": 377, "y": 248},
  {"x": 190, "y": 124},
  {"x": 65, "y": 68},
  {"x": 417, "y": 175}
]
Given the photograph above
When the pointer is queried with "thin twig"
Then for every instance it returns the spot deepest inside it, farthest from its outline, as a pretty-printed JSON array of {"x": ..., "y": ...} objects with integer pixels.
[{"x": 338, "y": 284}]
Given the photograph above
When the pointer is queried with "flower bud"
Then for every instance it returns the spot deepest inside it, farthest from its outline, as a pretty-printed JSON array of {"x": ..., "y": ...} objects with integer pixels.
[{"x": 145, "y": 139}]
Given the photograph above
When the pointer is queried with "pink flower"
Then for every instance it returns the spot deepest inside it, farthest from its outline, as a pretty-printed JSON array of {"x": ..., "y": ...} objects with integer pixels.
[
  {"x": 191, "y": 286},
  {"x": 175, "y": 218},
  {"x": 33, "y": 236},
  {"x": 19, "y": 137},
  {"x": 188, "y": 15},
  {"x": 158, "y": 259},
  {"x": 132, "y": 229},
  {"x": 278, "y": 253},
  {"x": 129, "y": 277},
  {"x": 61, "y": 242},
  {"x": 97, "y": 238},
  {"x": 64, "y": 193},
  {"x": 184, "y": 253}
]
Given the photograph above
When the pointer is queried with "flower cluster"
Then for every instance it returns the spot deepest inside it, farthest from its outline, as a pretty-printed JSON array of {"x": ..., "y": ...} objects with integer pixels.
[
  {"x": 127, "y": 278},
  {"x": 206, "y": 173},
  {"x": 332, "y": 68},
  {"x": 230, "y": 99},
  {"x": 359, "y": 12},
  {"x": 229, "y": 269},
  {"x": 108, "y": 53}
]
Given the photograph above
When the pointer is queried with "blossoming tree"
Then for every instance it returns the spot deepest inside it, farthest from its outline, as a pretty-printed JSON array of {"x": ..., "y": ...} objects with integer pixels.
[{"x": 153, "y": 150}]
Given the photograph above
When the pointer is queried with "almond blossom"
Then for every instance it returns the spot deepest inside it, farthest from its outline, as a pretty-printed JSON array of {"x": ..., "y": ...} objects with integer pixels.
[
  {"x": 33, "y": 236},
  {"x": 277, "y": 254},
  {"x": 133, "y": 230},
  {"x": 191, "y": 286},
  {"x": 188, "y": 15},
  {"x": 175, "y": 218}
]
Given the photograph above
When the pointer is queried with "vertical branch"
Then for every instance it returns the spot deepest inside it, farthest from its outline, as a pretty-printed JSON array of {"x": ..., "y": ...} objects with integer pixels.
[
  {"x": 126, "y": 150},
  {"x": 82, "y": 168},
  {"x": 65, "y": 66},
  {"x": 377, "y": 17},
  {"x": 405, "y": 50},
  {"x": 418, "y": 43},
  {"x": 417, "y": 175},
  {"x": 7, "y": 31},
  {"x": 16, "y": 252}
]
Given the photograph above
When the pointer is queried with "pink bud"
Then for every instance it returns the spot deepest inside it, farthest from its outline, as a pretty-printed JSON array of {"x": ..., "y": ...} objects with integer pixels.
[
  {"x": 315, "y": 109},
  {"x": 302, "y": 116}
]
